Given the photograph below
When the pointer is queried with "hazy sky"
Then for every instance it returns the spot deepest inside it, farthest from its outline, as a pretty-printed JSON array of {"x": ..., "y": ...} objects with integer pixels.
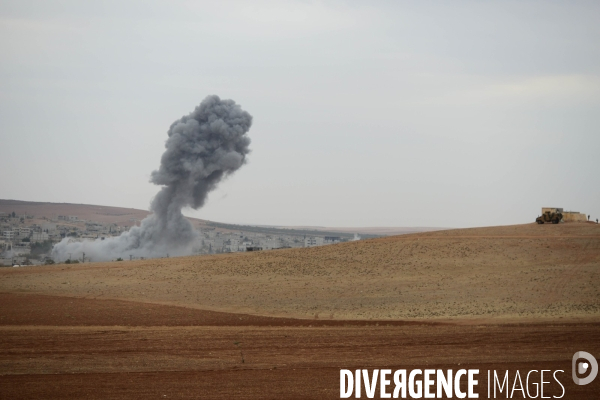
[{"x": 380, "y": 113}]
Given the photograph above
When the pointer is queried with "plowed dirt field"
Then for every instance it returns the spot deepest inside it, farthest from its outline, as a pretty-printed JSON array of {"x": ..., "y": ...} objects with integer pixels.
[{"x": 507, "y": 298}]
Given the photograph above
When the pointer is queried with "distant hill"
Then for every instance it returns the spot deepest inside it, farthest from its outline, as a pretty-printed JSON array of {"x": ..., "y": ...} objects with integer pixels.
[
  {"x": 102, "y": 214},
  {"x": 129, "y": 216}
]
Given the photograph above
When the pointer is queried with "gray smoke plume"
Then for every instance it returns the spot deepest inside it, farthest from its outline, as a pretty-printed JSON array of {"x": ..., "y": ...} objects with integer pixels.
[{"x": 203, "y": 148}]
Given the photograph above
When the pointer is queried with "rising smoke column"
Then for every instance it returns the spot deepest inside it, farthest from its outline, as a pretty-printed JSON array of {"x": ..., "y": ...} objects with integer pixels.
[{"x": 203, "y": 148}]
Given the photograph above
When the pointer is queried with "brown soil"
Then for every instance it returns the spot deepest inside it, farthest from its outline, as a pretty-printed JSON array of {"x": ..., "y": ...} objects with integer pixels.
[
  {"x": 374, "y": 230},
  {"x": 204, "y": 327},
  {"x": 40, "y": 310},
  {"x": 513, "y": 272},
  {"x": 84, "y": 351}
]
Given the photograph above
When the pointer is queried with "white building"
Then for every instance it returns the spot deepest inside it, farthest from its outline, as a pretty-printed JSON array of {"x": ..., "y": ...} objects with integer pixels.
[
  {"x": 234, "y": 245},
  {"x": 48, "y": 227},
  {"x": 8, "y": 235},
  {"x": 21, "y": 248},
  {"x": 22, "y": 233},
  {"x": 332, "y": 239},
  {"x": 313, "y": 241},
  {"x": 39, "y": 237}
]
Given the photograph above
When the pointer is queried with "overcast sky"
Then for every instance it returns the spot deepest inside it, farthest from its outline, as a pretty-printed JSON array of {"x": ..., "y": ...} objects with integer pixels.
[{"x": 380, "y": 113}]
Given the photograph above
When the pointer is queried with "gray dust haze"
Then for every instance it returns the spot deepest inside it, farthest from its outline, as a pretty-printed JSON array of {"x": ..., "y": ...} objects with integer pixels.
[{"x": 203, "y": 148}]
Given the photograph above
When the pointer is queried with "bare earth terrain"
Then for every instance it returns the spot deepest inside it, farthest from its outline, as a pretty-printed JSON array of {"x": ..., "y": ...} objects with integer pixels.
[
  {"x": 376, "y": 230},
  {"x": 128, "y": 217},
  {"x": 103, "y": 214},
  {"x": 281, "y": 324},
  {"x": 499, "y": 273}
]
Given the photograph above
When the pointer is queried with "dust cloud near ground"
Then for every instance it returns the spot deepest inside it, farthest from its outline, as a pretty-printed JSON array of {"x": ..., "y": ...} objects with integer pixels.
[
  {"x": 282, "y": 323},
  {"x": 525, "y": 271}
]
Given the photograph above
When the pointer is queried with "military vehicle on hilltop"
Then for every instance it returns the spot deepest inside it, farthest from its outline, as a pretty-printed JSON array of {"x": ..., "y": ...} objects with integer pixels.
[{"x": 549, "y": 217}]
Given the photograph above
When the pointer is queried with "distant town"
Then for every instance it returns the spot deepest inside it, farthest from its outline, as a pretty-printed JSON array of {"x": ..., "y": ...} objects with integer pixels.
[{"x": 28, "y": 240}]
